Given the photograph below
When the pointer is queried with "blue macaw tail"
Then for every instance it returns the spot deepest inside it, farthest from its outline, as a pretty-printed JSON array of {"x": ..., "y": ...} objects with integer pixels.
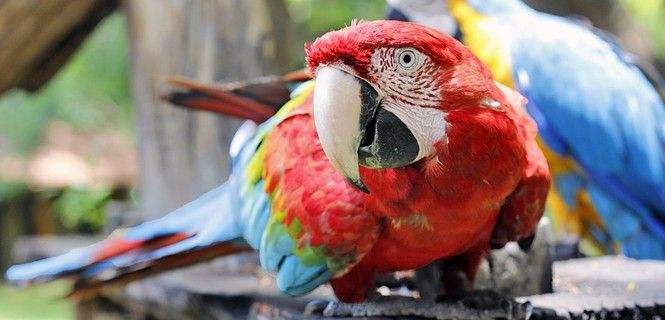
[
  {"x": 640, "y": 234},
  {"x": 200, "y": 230}
]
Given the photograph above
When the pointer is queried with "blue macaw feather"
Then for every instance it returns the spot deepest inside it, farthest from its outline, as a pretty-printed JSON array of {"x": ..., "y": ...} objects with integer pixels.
[
  {"x": 569, "y": 185},
  {"x": 606, "y": 112},
  {"x": 593, "y": 104}
]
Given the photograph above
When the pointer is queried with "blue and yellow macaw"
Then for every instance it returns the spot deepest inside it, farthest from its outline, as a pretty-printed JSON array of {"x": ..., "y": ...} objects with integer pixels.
[{"x": 601, "y": 121}]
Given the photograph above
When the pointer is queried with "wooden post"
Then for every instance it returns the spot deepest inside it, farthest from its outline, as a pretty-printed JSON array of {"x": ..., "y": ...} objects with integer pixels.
[{"x": 184, "y": 153}]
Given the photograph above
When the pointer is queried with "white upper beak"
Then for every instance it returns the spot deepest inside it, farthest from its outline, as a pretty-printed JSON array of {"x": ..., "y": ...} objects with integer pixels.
[{"x": 337, "y": 109}]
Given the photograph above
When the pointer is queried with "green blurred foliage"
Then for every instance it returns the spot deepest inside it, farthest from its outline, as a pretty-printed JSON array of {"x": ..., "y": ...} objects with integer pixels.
[
  {"x": 90, "y": 91},
  {"x": 651, "y": 15},
  {"x": 11, "y": 190},
  {"x": 312, "y": 18},
  {"x": 44, "y": 302},
  {"x": 82, "y": 209}
]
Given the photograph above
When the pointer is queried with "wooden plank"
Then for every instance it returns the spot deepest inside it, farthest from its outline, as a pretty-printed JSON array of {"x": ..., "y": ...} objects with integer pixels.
[
  {"x": 605, "y": 284},
  {"x": 607, "y": 288}
]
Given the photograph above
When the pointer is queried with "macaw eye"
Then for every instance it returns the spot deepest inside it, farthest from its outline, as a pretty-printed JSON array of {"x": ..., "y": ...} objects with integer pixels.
[{"x": 407, "y": 58}]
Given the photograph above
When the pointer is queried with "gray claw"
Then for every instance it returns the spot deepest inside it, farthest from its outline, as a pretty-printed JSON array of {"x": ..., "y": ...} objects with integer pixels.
[{"x": 316, "y": 307}]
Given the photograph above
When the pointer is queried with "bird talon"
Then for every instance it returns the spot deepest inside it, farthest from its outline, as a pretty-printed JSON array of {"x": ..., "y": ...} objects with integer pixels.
[{"x": 316, "y": 307}]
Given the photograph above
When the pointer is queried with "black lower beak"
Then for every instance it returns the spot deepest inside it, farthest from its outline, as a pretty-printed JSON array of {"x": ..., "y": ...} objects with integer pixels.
[{"x": 386, "y": 142}]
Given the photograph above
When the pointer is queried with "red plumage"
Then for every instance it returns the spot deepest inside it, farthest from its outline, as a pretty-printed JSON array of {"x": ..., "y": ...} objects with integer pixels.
[{"x": 485, "y": 185}]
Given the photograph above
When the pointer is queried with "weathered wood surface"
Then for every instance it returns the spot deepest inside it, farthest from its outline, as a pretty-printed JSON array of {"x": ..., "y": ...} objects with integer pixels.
[
  {"x": 38, "y": 36},
  {"x": 235, "y": 287},
  {"x": 606, "y": 287},
  {"x": 611, "y": 285},
  {"x": 184, "y": 153}
]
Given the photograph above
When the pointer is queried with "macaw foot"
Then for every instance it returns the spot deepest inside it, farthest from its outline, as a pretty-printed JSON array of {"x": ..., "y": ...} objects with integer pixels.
[
  {"x": 316, "y": 307},
  {"x": 473, "y": 305}
]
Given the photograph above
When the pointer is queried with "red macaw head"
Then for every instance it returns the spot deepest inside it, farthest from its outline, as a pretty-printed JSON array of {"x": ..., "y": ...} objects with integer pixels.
[{"x": 382, "y": 92}]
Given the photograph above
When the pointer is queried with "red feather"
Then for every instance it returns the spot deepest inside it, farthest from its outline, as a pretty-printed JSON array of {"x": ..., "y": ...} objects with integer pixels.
[{"x": 255, "y": 100}]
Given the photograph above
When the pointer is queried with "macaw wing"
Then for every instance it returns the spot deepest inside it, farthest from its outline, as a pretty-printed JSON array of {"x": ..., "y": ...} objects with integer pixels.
[
  {"x": 648, "y": 69},
  {"x": 592, "y": 105},
  {"x": 228, "y": 219},
  {"x": 319, "y": 227},
  {"x": 605, "y": 112},
  {"x": 289, "y": 200},
  {"x": 524, "y": 207},
  {"x": 237, "y": 214}
]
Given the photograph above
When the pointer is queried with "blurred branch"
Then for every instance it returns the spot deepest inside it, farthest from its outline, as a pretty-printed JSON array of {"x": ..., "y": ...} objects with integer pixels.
[{"x": 38, "y": 36}]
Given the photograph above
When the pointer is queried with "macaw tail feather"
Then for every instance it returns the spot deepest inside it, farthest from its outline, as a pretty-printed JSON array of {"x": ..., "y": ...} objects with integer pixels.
[
  {"x": 69, "y": 264},
  {"x": 217, "y": 99},
  {"x": 200, "y": 230},
  {"x": 116, "y": 277},
  {"x": 256, "y": 100}
]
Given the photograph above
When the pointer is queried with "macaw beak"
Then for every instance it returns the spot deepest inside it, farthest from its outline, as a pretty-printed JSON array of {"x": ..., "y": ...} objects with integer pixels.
[
  {"x": 353, "y": 128},
  {"x": 339, "y": 109}
]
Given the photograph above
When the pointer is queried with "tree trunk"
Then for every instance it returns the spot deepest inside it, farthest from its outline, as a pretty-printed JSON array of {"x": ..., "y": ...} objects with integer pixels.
[{"x": 184, "y": 153}]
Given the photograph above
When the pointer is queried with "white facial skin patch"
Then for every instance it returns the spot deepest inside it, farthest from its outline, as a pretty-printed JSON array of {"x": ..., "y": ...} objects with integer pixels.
[{"x": 411, "y": 93}]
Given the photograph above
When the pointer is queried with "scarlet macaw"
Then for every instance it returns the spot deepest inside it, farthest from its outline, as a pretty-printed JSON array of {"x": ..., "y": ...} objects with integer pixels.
[
  {"x": 600, "y": 118},
  {"x": 405, "y": 151}
]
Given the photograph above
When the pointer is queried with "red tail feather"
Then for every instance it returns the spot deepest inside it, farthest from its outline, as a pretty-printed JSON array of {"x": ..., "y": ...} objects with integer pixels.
[
  {"x": 116, "y": 247},
  {"x": 86, "y": 288},
  {"x": 203, "y": 97}
]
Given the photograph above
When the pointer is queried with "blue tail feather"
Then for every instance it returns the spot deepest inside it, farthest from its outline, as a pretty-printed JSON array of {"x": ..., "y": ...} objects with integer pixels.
[
  {"x": 51, "y": 267},
  {"x": 635, "y": 231},
  {"x": 186, "y": 219},
  {"x": 212, "y": 210}
]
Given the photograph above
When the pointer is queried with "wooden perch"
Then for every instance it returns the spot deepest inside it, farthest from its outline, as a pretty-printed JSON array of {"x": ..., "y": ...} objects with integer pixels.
[{"x": 604, "y": 288}]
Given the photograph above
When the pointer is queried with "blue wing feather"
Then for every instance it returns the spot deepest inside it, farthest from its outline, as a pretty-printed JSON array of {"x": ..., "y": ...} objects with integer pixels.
[
  {"x": 606, "y": 112},
  {"x": 592, "y": 104}
]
